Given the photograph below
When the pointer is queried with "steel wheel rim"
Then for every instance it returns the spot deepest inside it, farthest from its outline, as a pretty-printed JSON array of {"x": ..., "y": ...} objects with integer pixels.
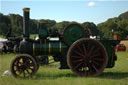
[
  {"x": 85, "y": 61},
  {"x": 23, "y": 66}
]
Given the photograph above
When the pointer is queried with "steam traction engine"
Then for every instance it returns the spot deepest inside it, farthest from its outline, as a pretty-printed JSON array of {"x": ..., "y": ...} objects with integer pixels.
[{"x": 84, "y": 56}]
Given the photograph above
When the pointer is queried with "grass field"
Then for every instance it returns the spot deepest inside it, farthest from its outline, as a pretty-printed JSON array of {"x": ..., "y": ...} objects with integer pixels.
[
  {"x": 1, "y": 36},
  {"x": 51, "y": 75}
]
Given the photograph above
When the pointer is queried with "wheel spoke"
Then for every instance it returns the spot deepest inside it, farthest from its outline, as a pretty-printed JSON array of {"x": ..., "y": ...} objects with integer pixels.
[
  {"x": 28, "y": 71},
  {"x": 91, "y": 50},
  {"x": 80, "y": 49},
  {"x": 29, "y": 67},
  {"x": 97, "y": 50},
  {"x": 76, "y": 56},
  {"x": 24, "y": 73},
  {"x": 95, "y": 68},
  {"x": 84, "y": 65},
  {"x": 78, "y": 65},
  {"x": 15, "y": 64},
  {"x": 95, "y": 55},
  {"x": 30, "y": 64},
  {"x": 78, "y": 60},
  {"x": 96, "y": 63},
  {"x": 85, "y": 51},
  {"x": 99, "y": 59},
  {"x": 89, "y": 66},
  {"x": 79, "y": 53},
  {"x": 88, "y": 47},
  {"x": 18, "y": 70},
  {"x": 26, "y": 61}
]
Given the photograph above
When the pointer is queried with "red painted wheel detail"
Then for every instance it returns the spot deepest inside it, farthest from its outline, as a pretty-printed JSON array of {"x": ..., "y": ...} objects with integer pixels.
[
  {"x": 87, "y": 57},
  {"x": 23, "y": 66}
]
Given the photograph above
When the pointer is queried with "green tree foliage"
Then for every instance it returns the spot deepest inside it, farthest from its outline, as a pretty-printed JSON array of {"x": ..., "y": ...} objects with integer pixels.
[
  {"x": 123, "y": 16},
  {"x": 16, "y": 24},
  {"x": 118, "y": 24},
  {"x": 3, "y": 29},
  {"x": 49, "y": 23},
  {"x": 4, "y": 24},
  {"x": 4, "y": 19},
  {"x": 33, "y": 27},
  {"x": 61, "y": 26},
  {"x": 104, "y": 29},
  {"x": 92, "y": 27},
  {"x": 123, "y": 28}
]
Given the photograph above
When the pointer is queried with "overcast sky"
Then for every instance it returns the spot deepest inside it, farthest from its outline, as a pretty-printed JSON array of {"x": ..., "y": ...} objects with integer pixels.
[{"x": 96, "y": 11}]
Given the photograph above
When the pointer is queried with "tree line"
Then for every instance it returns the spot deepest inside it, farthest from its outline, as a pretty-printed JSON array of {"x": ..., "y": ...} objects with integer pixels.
[
  {"x": 15, "y": 22},
  {"x": 118, "y": 24}
]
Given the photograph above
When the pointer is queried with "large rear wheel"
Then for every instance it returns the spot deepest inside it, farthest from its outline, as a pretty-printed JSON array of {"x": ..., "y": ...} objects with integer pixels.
[{"x": 87, "y": 57}]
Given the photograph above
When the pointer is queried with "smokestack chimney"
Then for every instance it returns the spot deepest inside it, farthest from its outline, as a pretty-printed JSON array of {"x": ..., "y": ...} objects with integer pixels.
[{"x": 26, "y": 22}]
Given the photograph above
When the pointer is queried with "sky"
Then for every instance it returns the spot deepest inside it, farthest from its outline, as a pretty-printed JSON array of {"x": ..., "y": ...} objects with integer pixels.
[{"x": 96, "y": 11}]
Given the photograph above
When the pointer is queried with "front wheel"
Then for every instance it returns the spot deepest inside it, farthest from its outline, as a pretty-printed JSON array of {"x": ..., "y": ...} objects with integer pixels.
[{"x": 23, "y": 66}]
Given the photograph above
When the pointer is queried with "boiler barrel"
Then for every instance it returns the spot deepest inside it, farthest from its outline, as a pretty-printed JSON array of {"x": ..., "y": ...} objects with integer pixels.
[{"x": 49, "y": 48}]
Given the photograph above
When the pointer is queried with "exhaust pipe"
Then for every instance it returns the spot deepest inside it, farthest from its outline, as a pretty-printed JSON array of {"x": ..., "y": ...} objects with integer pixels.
[{"x": 26, "y": 22}]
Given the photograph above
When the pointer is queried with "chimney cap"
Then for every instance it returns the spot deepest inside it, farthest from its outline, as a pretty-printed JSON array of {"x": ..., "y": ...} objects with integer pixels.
[{"x": 26, "y": 9}]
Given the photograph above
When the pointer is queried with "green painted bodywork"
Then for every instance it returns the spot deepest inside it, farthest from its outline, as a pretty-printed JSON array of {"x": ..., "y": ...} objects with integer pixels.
[
  {"x": 49, "y": 48},
  {"x": 43, "y": 33},
  {"x": 73, "y": 33},
  {"x": 109, "y": 45}
]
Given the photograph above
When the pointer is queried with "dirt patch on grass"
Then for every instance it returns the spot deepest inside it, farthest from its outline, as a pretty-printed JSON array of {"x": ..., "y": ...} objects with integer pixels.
[{"x": 125, "y": 42}]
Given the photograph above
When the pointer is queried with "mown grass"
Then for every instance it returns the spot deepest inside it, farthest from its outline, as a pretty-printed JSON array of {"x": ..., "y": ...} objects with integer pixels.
[
  {"x": 1, "y": 36},
  {"x": 51, "y": 75},
  {"x": 32, "y": 36}
]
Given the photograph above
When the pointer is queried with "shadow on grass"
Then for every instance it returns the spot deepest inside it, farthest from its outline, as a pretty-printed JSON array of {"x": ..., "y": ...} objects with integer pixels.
[
  {"x": 105, "y": 75},
  {"x": 54, "y": 76},
  {"x": 113, "y": 75}
]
